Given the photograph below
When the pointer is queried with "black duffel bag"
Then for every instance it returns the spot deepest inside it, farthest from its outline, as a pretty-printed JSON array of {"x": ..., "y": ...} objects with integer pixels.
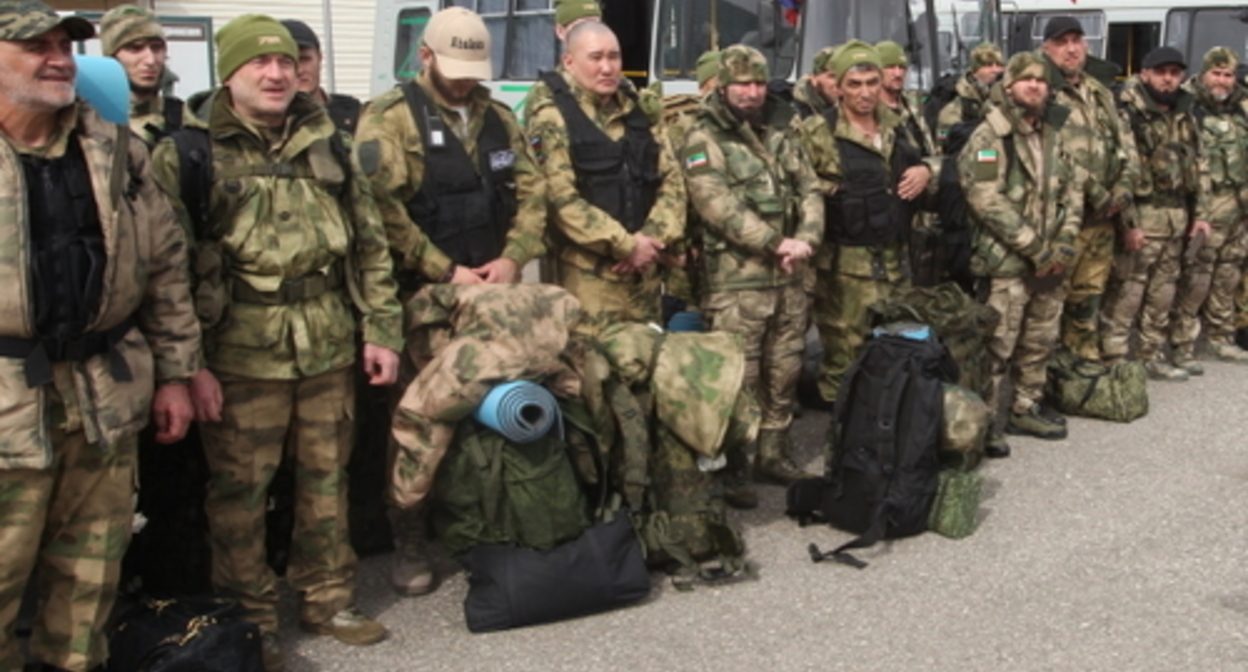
[
  {"x": 510, "y": 586},
  {"x": 195, "y": 634}
]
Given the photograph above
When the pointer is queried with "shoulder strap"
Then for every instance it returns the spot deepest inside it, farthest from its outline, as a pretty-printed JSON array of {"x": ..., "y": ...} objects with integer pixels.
[
  {"x": 174, "y": 110},
  {"x": 195, "y": 174}
]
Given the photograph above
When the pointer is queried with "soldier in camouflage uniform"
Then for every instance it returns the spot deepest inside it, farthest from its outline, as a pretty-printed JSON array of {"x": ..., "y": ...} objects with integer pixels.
[
  {"x": 344, "y": 110},
  {"x": 477, "y": 214},
  {"x": 1211, "y": 274},
  {"x": 816, "y": 93},
  {"x": 135, "y": 38},
  {"x": 98, "y": 331},
  {"x": 1026, "y": 200},
  {"x": 971, "y": 102},
  {"x": 1103, "y": 145},
  {"x": 617, "y": 198},
  {"x": 864, "y": 257},
  {"x": 568, "y": 13},
  {"x": 289, "y": 250},
  {"x": 1147, "y": 269},
  {"x": 762, "y": 215},
  {"x": 907, "y": 105}
]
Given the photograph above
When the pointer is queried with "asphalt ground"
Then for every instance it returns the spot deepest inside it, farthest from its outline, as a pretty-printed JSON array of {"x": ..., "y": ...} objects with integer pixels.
[{"x": 1120, "y": 549}]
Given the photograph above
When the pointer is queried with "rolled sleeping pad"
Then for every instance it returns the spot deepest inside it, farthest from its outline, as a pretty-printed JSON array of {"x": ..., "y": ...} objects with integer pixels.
[
  {"x": 521, "y": 411},
  {"x": 103, "y": 83}
]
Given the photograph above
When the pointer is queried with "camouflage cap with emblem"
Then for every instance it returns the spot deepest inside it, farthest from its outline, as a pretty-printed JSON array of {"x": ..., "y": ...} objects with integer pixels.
[
  {"x": 740, "y": 64},
  {"x": 247, "y": 37},
  {"x": 1220, "y": 57},
  {"x": 707, "y": 67},
  {"x": 892, "y": 55},
  {"x": 461, "y": 42},
  {"x": 24, "y": 19},
  {"x": 569, "y": 11},
  {"x": 822, "y": 62},
  {"x": 853, "y": 54},
  {"x": 1024, "y": 65},
  {"x": 986, "y": 54},
  {"x": 125, "y": 24}
]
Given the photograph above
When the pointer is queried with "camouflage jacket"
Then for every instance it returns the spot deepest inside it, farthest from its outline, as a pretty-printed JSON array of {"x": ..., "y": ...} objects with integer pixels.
[
  {"x": 887, "y": 263},
  {"x": 970, "y": 104},
  {"x": 1223, "y": 129},
  {"x": 581, "y": 234},
  {"x": 391, "y": 151},
  {"x": 807, "y": 99},
  {"x": 680, "y": 111},
  {"x": 145, "y": 278},
  {"x": 1098, "y": 139},
  {"x": 277, "y": 220},
  {"x": 911, "y": 114},
  {"x": 539, "y": 96},
  {"x": 1167, "y": 141},
  {"x": 1019, "y": 208},
  {"x": 751, "y": 193},
  {"x": 146, "y": 116}
]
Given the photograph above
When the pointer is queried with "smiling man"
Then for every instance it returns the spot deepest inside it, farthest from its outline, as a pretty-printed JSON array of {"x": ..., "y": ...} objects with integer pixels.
[
  {"x": 135, "y": 38},
  {"x": 291, "y": 251}
]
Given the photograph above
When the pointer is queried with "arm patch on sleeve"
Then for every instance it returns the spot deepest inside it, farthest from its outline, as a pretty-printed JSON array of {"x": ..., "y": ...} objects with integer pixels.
[
  {"x": 987, "y": 165},
  {"x": 370, "y": 156},
  {"x": 695, "y": 159}
]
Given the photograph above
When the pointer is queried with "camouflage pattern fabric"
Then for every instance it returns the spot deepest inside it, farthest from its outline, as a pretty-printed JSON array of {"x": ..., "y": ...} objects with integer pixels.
[
  {"x": 269, "y": 230},
  {"x": 955, "y": 511},
  {"x": 473, "y": 336},
  {"x": 71, "y": 522},
  {"x": 971, "y": 98},
  {"x": 841, "y": 313},
  {"x": 683, "y": 282},
  {"x": 1207, "y": 289},
  {"x": 1085, "y": 286},
  {"x": 145, "y": 278},
  {"x": 805, "y": 93},
  {"x": 125, "y": 24},
  {"x": 146, "y": 116},
  {"x": 1144, "y": 285},
  {"x": 1023, "y": 341},
  {"x": 1117, "y": 392},
  {"x": 312, "y": 418},
  {"x": 605, "y": 301},
  {"x": 391, "y": 152},
  {"x": 584, "y": 236},
  {"x": 24, "y": 19},
  {"x": 963, "y": 428}
]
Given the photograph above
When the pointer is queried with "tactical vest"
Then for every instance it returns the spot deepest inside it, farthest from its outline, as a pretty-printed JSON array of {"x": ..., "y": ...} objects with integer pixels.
[
  {"x": 1169, "y": 166},
  {"x": 620, "y": 177},
  {"x": 465, "y": 213},
  {"x": 866, "y": 211}
]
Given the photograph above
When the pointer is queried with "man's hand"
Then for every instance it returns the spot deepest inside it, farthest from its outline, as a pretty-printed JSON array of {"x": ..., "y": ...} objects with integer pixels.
[
  {"x": 791, "y": 251},
  {"x": 644, "y": 253},
  {"x": 914, "y": 182},
  {"x": 381, "y": 365},
  {"x": 172, "y": 412},
  {"x": 206, "y": 396},
  {"x": 464, "y": 276},
  {"x": 501, "y": 271},
  {"x": 1200, "y": 227},
  {"x": 1133, "y": 240}
]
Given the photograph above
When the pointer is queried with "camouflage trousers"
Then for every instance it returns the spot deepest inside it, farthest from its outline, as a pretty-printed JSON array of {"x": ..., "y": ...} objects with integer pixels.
[
  {"x": 605, "y": 302},
  {"x": 1023, "y": 340},
  {"x": 772, "y": 326},
  {"x": 1208, "y": 287},
  {"x": 71, "y": 522},
  {"x": 1085, "y": 284},
  {"x": 840, "y": 313},
  {"x": 1144, "y": 285},
  {"x": 312, "y": 419}
]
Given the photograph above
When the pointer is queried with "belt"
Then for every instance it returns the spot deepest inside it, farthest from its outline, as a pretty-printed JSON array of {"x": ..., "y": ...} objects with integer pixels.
[
  {"x": 41, "y": 352},
  {"x": 298, "y": 290}
]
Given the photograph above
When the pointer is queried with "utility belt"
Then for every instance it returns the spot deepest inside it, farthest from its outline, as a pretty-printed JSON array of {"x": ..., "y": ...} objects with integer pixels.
[
  {"x": 298, "y": 290},
  {"x": 40, "y": 353}
]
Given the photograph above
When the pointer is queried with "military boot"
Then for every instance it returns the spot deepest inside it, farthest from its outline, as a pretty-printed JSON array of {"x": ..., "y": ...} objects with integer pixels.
[
  {"x": 1241, "y": 338},
  {"x": 1051, "y": 414},
  {"x": 1160, "y": 369},
  {"x": 774, "y": 463},
  {"x": 1032, "y": 423},
  {"x": 1229, "y": 352},
  {"x": 995, "y": 446},
  {"x": 735, "y": 479},
  {"x": 412, "y": 573},
  {"x": 1189, "y": 363},
  {"x": 271, "y": 652}
]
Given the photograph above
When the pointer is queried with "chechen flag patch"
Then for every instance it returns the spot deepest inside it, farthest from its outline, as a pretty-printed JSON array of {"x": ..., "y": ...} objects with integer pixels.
[
  {"x": 986, "y": 156},
  {"x": 696, "y": 160}
]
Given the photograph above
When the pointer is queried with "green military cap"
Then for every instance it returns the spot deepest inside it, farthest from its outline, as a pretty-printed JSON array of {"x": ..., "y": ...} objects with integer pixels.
[
  {"x": 708, "y": 67},
  {"x": 1220, "y": 57},
  {"x": 567, "y": 11},
  {"x": 739, "y": 64},
  {"x": 892, "y": 54},
  {"x": 1024, "y": 65},
  {"x": 823, "y": 60},
  {"x": 125, "y": 24},
  {"x": 852, "y": 54},
  {"x": 24, "y": 19},
  {"x": 985, "y": 54},
  {"x": 249, "y": 36}
]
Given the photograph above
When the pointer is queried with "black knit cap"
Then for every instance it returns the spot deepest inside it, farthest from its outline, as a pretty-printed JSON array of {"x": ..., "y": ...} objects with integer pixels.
[{"x": 303, "y": 34}]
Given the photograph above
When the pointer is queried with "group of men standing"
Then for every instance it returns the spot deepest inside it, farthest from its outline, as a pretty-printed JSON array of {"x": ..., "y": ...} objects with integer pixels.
[{"x": 242, "y": 274}]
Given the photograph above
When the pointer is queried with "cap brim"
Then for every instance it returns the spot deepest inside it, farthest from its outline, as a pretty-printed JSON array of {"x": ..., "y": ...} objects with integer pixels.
[{"x": 454, "y": 68}]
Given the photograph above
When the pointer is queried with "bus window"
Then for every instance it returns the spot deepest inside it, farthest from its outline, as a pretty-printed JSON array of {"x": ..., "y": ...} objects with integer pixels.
[
  {"x": 1093, "y": 29},
  {"x": 1195, "y": 31},
  {"x": 522, "y": 35},
  {"x": 687, "y": 28},
  {"x": 412, "y": 22}
]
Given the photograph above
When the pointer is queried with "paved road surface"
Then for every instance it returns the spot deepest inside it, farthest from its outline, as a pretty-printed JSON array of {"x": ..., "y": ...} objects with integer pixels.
[{"x": 1121, "y": 549}]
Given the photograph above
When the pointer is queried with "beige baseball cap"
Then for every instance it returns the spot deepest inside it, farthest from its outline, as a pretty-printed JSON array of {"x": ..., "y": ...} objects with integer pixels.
[{"x": 460, "y": 40}]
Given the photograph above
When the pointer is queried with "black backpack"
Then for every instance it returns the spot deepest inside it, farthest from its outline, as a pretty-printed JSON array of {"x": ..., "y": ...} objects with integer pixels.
[{"x": 882, "y": 467}]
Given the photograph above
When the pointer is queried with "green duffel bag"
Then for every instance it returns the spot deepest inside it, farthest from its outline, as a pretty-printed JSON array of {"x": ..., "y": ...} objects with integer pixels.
[
  {"x": 955, "y": 511},
  {"x": 1094, "y": 390},
  {"x": 963, "y": 428}
]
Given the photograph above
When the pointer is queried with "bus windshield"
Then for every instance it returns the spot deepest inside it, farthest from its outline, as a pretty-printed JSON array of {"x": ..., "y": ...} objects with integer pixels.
[{"x": 1195, "y": 31}]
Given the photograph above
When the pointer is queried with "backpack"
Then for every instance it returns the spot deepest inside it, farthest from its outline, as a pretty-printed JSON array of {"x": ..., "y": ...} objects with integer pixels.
[
  {"x": 943, "y": 93},
  {"x": 187, "y": 634},
  {"x": 1093, "y": 390},
  {"x": 882, "y": 463}
]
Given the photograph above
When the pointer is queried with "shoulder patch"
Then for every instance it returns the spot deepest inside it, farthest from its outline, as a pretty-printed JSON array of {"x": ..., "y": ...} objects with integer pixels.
[
  {"x": 369, "y": 153},
  {"x": 535, "y": 145},
  {"x": 695, "y": 158},
  {"x": 986, "y": 166}
]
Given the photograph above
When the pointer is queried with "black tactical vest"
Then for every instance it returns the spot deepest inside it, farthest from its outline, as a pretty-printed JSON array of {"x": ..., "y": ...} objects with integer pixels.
[
  {"x": 465, "y": 213},
  {"x": 866, "y": 211},
  {"x": 67, "y": 243},
  {"x": 620, "y": 177}
]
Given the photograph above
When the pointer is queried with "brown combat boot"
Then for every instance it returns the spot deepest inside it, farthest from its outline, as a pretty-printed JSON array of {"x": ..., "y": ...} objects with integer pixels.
[
  {"x": 412, "y": 573},
  {"x": 774, "y": 463}
]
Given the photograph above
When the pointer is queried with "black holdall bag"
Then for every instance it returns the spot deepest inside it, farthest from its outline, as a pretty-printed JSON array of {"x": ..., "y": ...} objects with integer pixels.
[
  {"x": 883, "y": 465},
  {"x": 191, "y": 634}
]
